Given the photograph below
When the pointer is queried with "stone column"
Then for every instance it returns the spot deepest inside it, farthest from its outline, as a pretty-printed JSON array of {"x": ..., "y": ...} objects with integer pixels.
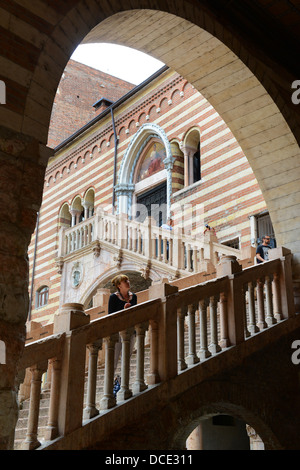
[
  {"x": 181, "y": 313},
  {"x": 52, "y": 426},
  {"x": 31, "y": 442},
  {"x": 153, "y": 377},
  {"x": 23, "y": 162},
  {"x": 139, "y": 384},
  {"x": 108, "y": 400},
  {"x": 90, "y": 410},
  {"x": 203, "y": 352},
  {"x": 71, "y": 317},
  {"x": 192, "y": 357},
  {"x": 124, "y": 391},
  {"x": 167, "y": 329}
]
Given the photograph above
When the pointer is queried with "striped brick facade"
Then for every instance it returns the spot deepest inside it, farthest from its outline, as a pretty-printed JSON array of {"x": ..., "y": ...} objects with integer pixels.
[{"x": 225, "y": 196}]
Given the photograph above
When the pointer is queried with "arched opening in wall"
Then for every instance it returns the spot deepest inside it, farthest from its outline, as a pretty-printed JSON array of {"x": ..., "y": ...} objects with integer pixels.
[
  {"x": 64, "y": 218},
  {"x": 88, "y": 203},
  {"x": 100, "y": 294},
  {"x": 42, "y": 296},
  {"x": 137, "y": 282},
  {"x": 192, "y": 157},
  {"x": 77, "y": 211},
  {"x": 229, "y": 86},
  {"x": 223, "y": 432},
  {"x": 150, "y": 194}
]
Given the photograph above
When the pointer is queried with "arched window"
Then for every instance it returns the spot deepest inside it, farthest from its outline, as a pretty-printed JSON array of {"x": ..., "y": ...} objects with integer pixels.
[
  {"x": 192, "y": 157},
  {"x": 64, "y": 218},
  {"x": 42, "y": 296},
  {"x": 197, "y": 165}
]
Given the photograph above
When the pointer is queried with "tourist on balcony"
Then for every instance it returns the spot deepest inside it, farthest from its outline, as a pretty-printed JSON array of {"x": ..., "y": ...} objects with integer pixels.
[
  {"x": 262, "y": 251},
  {"x": 168, "y": 225}
]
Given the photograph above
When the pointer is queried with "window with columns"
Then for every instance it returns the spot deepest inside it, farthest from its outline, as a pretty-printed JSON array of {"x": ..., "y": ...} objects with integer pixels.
[
  {"x": 192, "y": 157},
  {"x": 80, "y": 210},
  {"x": 42, "y": 296}
]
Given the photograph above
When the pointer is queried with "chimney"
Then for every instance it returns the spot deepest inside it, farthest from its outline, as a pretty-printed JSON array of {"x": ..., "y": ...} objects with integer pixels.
[{"x": 101, "y": 105}]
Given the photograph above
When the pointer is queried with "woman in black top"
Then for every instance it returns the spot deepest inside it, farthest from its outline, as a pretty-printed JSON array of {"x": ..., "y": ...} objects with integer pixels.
[
  {"x": 123, "y": 298},
  {"x": 119, "y": 300}
]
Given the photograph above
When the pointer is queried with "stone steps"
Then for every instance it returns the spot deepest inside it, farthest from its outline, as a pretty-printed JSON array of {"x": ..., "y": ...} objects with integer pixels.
[{"x": 21, "y": 428}]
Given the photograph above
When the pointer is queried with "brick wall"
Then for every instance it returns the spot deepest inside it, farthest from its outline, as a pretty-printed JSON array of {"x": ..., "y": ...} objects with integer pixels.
[{"x": 79, "y": 88}]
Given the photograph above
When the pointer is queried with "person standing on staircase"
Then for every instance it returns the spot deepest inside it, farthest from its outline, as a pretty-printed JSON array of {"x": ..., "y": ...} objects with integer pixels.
[
  {"x": 262, "y": 251},
  {"x": 122, "y": 298}
]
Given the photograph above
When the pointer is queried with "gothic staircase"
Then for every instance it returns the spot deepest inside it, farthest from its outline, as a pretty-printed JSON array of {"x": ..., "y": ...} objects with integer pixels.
[{"x": 235, "y": 316}]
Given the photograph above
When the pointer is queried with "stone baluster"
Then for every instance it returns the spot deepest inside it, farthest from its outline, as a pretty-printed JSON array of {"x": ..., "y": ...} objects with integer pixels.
[
  {"x": 84, "y": 236},
  {"x": 277, "y": 297},
  {"x": 244, "y": 311},
  {"x": 270, "y": 319},
  {"x": 180, "y": 337},
  {"x": 204, "y": 352},
  {"x": 165, "y": 250},
  {"x": 108, "y": 400},
  {"x": 52, "y": 426},
  {"x": 260, "y": 304},
  {"x": 188, "y": 257},
  {"x": 90, "y": 410},
  {"x": 195, "y": 259},
  {"x": 153, "y": 377},
  {"x": 192, "y": 357},
  {"x": 214, "y": 345},
  {"x": 139, "y": 384},
  {"x": 69, "y": 243},
  {"x": 160, "y": 254},
  {"x": 130, "y": 238},
  {"x": 31, "y": 441},
  {"x": 124, "y": 391},
  {"x": 177, "y": 258},
  {"x": 72, "y": 244},
  {"x": 224, "y": 339},
  {"x": 286, "y": 280},
  {"x": 251, "y": 305}
]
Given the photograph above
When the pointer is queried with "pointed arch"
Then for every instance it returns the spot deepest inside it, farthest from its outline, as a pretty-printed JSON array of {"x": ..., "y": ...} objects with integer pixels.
[{"x": 125, "y": 186}]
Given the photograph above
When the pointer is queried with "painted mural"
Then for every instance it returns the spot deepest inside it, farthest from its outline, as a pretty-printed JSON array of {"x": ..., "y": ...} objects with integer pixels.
[{"x": 152, "y": 161}]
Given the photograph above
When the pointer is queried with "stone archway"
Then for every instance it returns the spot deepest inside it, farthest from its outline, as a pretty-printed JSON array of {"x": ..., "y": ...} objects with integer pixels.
[
  {"x": 208, "y": 45},
  {"x": 125, "y": 186},
  {"x": 237, "y": 95}
]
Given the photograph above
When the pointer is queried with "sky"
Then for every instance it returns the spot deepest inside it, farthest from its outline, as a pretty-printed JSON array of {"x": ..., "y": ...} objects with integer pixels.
[{"x": 120, "y": 61}]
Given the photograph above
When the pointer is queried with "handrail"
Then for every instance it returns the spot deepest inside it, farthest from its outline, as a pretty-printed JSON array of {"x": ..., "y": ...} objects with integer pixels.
[{"x": 224, "y": 311}]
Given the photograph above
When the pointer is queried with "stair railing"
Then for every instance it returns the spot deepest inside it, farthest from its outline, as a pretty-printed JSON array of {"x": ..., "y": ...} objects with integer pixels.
[
  {"x": 225, "y": 312},
  {"x": 174, "y": 248}
]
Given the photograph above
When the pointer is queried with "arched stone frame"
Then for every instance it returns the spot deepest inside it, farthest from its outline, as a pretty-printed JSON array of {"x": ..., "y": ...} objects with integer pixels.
[
  {"x": 76, "y": 210},
  {"x": 88, "y": 202},
  {"x": 109, "y": 273},
  {"x": 125, "y": 186},
  {"x": 64, "y": 217},
  {"x": 42, "y": 296}
]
